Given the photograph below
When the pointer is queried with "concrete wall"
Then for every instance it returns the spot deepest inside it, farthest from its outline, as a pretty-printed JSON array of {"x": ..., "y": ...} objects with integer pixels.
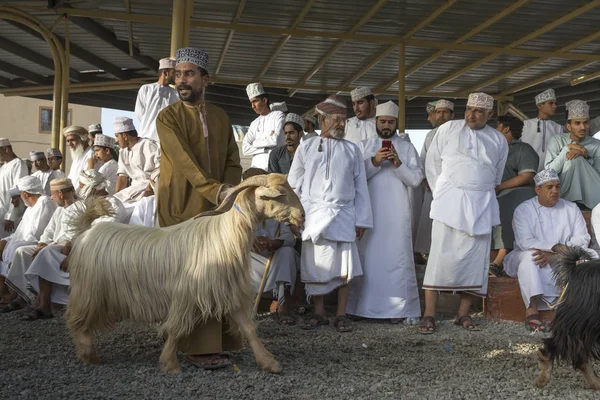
[{"x": 20, "y": 122}]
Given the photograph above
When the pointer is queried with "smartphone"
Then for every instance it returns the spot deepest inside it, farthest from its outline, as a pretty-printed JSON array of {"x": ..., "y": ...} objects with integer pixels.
[{"x": 386, "y": 144}]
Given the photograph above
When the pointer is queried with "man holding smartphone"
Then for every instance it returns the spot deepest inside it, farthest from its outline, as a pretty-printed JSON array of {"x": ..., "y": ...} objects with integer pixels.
[{"x": 388, "y": 287}]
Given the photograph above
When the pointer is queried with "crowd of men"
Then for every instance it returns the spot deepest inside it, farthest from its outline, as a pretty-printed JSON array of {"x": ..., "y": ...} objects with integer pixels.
[{"x": 477, "y": 200}]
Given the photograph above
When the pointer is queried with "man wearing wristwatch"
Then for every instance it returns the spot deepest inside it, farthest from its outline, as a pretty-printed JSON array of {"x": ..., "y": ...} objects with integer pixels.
[{"x": 541, "y": 226}]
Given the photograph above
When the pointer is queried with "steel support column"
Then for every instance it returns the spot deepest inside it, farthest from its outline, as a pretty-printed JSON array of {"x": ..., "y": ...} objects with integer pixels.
[{"x": 401, "y": 87}]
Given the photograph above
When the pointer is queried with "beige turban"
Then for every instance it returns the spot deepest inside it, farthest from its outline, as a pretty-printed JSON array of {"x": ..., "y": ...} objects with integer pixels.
[
  {"x": 76, "y": 130},
  {"x": 91, "y": 180},
  {"x": 61, "y": 183}
]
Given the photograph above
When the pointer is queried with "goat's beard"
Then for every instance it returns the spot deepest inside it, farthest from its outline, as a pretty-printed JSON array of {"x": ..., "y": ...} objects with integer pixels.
[{"x": 77, "y": 152}]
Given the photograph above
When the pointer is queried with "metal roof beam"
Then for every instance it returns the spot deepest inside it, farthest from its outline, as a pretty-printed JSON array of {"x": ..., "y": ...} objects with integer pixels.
[
  {"x": 530, "y": 64},
  {"x": 284, "y": 40},
  {"x": 340, "y": 43},
  {"x": 23, "y": 73},
  {"x": 32, "y": 56},
  {"x": 489, "y": 22},
  {"x": 439, "y": 11},
  {"x": 109, "y": 37},
  {"x": 584, "y": 78},
  {"x": 6, "y": 82},
  {"x": 81, "y": 53},
  {"x": 236, "y": 18},
  {"x": 546, "y": 28},
  {"x": 544, "y": 78}
]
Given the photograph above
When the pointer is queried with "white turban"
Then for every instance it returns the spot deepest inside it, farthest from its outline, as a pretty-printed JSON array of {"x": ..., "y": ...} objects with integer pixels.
[
  {"x": 91, "y": 180},
  {"x": 389, "y": 109},
  {"x": 14, "y": 191},
  {"x": 30, "y": 184}
]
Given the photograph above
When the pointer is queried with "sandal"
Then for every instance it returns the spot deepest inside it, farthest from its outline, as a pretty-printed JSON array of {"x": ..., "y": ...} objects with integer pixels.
[
  {"x": 10, "y": 307},
  {"x": 343, "y": 324},
  {"x": 286, "y": 320},
  {"x": 495, "y": 270},
  {"x": 466, "y": 322},
  {"x": 211, "y": 358},
  {"x": 427, "y": 326},
  {"x": 533, "y": 323},
  {"x": 320, "y": 320},
  {"x": 36, "y": 314}
]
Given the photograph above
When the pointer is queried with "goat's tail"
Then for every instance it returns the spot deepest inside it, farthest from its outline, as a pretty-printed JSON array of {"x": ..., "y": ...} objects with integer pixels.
[
  {"x": 569, "y": 258},
  {"x": 95, "y": 207}
]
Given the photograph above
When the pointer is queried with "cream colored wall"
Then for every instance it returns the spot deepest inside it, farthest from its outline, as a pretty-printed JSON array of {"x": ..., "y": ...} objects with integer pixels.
[{"x": 20, "y": 122}]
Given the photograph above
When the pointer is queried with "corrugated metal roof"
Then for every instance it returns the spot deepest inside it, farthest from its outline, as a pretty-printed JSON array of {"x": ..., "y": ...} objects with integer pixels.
[{"x": 248, "y": 52}]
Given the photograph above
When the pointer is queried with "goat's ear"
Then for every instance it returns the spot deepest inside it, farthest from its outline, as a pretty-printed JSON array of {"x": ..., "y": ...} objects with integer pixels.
[{"x": 268, "y": 193}]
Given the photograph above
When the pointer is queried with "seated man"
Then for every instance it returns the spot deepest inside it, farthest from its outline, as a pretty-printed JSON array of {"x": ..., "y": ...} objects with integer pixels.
[
  {"x": 43, "y": 171},
  {"x": 138, "y": 159},
  {"x": 576, "y": 158},
  {"x": 274, "y": 240},
  {"x": 56, "y": 232},
  {"x": 541, "y": 225},
  {"x": 55, "y": 159},
  {"x": 516, "y": 186},
  {"x": 36, "y": 217},
  {"x": 48, "y": 274},
  {"x": 103, "y": 148},
  {"x": 144, "y": 211}
]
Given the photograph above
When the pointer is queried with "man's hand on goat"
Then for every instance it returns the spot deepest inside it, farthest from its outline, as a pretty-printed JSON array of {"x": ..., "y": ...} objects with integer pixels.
[
  {"x": 9, "y": 226},
  {"x": 66, "y": 248},
  {"x": 360, "y": 232},
  {"x": 224, "y": 192},
  {"x": 542, "y": 258}
]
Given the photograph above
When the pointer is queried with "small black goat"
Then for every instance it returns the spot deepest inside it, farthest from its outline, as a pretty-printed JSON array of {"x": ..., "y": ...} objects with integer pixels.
[{"x": 576, "y": 327}]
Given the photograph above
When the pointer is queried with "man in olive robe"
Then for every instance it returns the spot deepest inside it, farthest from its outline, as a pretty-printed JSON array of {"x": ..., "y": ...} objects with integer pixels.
[{"x": 200, "y": 159}]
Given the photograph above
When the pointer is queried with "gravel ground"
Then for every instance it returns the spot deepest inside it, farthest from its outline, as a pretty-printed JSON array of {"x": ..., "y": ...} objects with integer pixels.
[{"x": 376, "y": 361}]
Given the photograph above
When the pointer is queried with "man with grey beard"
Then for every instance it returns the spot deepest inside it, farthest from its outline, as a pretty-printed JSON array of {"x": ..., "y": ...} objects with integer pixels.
[
  {"x": 328, "y": 175},
  {"x": 80, "y": 150}
]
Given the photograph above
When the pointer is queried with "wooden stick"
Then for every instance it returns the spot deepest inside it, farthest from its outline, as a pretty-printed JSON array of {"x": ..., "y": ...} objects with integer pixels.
[{"x": 263, "y": 282}]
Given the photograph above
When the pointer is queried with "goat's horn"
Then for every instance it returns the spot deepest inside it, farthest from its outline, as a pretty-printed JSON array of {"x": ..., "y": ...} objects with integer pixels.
[{"x": 255, "y": 181}]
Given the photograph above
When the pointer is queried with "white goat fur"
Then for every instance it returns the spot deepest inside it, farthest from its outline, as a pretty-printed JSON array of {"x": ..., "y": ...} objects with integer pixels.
[{"x": 176, "y": 276}]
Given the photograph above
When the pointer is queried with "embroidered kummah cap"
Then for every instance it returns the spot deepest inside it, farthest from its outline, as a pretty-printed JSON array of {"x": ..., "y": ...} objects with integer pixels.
[
  {"x": 36, "y": 155},
  {"x": 123, "y": 124},
  {"x": 431, "y": 107},
  {"x": 311, "y": 118},
  {"x": 195, "y": 56},
  {"x": 578, "y": 109},
  {"x": 95, "y": 128},
  {"x": 254, "y": 89},
  {"x": 52, "y": 152},
  {"x": 104, "y": 141},
  {"x": 481, "y": 100},
  {"x": 166, "y": 63},
  {"x": 61, "y": 183},
  {"x": 544, "y": 176},
  {"x": 76, "y": 130},
  {"x": 295, "y": 118},
  {"x": 444, "y": 104},
  {"x": 388, "y": 109},
  {"x": 4, "y": 142},
  {"x": 278, "y": 106},
  {"x": 545, "y": 96},
  {"x": 360, "y": 93},
  {"x": 334, "y": 104}
]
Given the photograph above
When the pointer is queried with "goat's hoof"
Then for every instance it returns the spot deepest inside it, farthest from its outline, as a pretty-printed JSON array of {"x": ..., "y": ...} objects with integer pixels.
[
  {"x": 271, "y": 366},
  {"x": 171, "y": 368},
  {"x": 90, "y": 358},
  {"x": 540, "y": 382},
  {"x": 593, "y": 386}
]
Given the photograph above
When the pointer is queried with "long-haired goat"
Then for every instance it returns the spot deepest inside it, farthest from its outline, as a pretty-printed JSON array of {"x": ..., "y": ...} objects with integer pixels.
[
  {"x": 575, "y": 328},
  {"x": 176, "y": 276}
]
